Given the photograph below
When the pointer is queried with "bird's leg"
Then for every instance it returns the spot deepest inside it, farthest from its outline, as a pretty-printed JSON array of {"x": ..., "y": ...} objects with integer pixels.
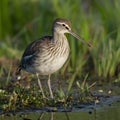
[
  {"x": 40, "y": 85},
  {"x": 49, "y": 86}
]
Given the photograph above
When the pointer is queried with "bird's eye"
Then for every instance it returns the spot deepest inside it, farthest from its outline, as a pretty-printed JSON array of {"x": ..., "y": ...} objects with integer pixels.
[
  {"x": 67, "y": 28},
  {"x": 63, "y": 24}
]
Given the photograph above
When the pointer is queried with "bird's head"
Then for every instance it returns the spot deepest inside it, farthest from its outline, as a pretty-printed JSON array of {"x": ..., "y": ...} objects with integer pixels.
[{"x": 62, "y": 26}]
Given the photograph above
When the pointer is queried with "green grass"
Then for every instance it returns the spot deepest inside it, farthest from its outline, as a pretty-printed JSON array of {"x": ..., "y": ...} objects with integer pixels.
[{"x": 23, "y": 21}]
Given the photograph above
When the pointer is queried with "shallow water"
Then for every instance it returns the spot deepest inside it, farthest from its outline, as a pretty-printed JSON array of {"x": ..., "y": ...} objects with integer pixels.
[
  {"x": 108, "y": 108},
  {"x": 110, "y": 111}
]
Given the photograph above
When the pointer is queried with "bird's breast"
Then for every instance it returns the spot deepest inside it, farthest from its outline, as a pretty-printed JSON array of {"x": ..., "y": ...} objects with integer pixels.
[{"x": 53, "y": 62}]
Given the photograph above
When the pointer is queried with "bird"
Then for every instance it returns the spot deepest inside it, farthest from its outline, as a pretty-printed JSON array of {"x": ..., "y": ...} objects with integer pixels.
[{"x": 48, "y": 54}]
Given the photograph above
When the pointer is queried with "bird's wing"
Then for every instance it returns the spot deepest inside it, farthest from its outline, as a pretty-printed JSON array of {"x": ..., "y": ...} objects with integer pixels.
[
  {"x": 35, "y": 47},
  {"x": 32, "y": 49}
]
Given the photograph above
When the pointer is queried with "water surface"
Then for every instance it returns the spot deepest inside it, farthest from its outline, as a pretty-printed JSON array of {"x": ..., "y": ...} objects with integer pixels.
[{"x": 103, "y": 112}]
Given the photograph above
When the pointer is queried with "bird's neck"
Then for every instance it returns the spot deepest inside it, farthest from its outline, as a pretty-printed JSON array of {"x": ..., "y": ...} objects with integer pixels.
[{"x": 59, "y": 37}]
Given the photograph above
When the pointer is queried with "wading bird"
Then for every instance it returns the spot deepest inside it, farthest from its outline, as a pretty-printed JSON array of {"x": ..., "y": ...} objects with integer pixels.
[{"x": 49, "y": 53}]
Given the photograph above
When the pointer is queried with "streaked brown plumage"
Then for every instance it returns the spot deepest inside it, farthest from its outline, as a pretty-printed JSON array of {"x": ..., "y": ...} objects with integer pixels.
[{"x": 49, "y": 53}]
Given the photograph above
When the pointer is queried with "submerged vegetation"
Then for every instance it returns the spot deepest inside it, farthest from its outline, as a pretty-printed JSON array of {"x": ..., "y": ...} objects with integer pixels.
[
  {"x": 18, "y": 98},
  {"x": 23, "y": 21}
]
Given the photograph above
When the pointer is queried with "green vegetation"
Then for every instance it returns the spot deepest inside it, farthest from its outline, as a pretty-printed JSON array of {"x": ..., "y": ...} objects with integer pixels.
[
  {"x": 19, "y": 98},
  {"x": 96, "y": 21}
]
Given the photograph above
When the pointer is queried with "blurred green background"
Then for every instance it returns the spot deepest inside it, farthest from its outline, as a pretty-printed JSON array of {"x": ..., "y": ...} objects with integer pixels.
[{"x": 22, "y": 21}]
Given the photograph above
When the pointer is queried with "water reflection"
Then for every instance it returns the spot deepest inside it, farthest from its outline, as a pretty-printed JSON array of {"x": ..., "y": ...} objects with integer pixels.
[
  {"x": 102, "y": 113},
  {"x": 42, "y": 115},
  {"x": 51, "y": 116}
]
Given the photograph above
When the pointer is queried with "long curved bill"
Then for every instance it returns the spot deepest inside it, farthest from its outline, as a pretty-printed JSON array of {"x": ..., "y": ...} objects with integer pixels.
[{"x": 79, "y": 38}]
